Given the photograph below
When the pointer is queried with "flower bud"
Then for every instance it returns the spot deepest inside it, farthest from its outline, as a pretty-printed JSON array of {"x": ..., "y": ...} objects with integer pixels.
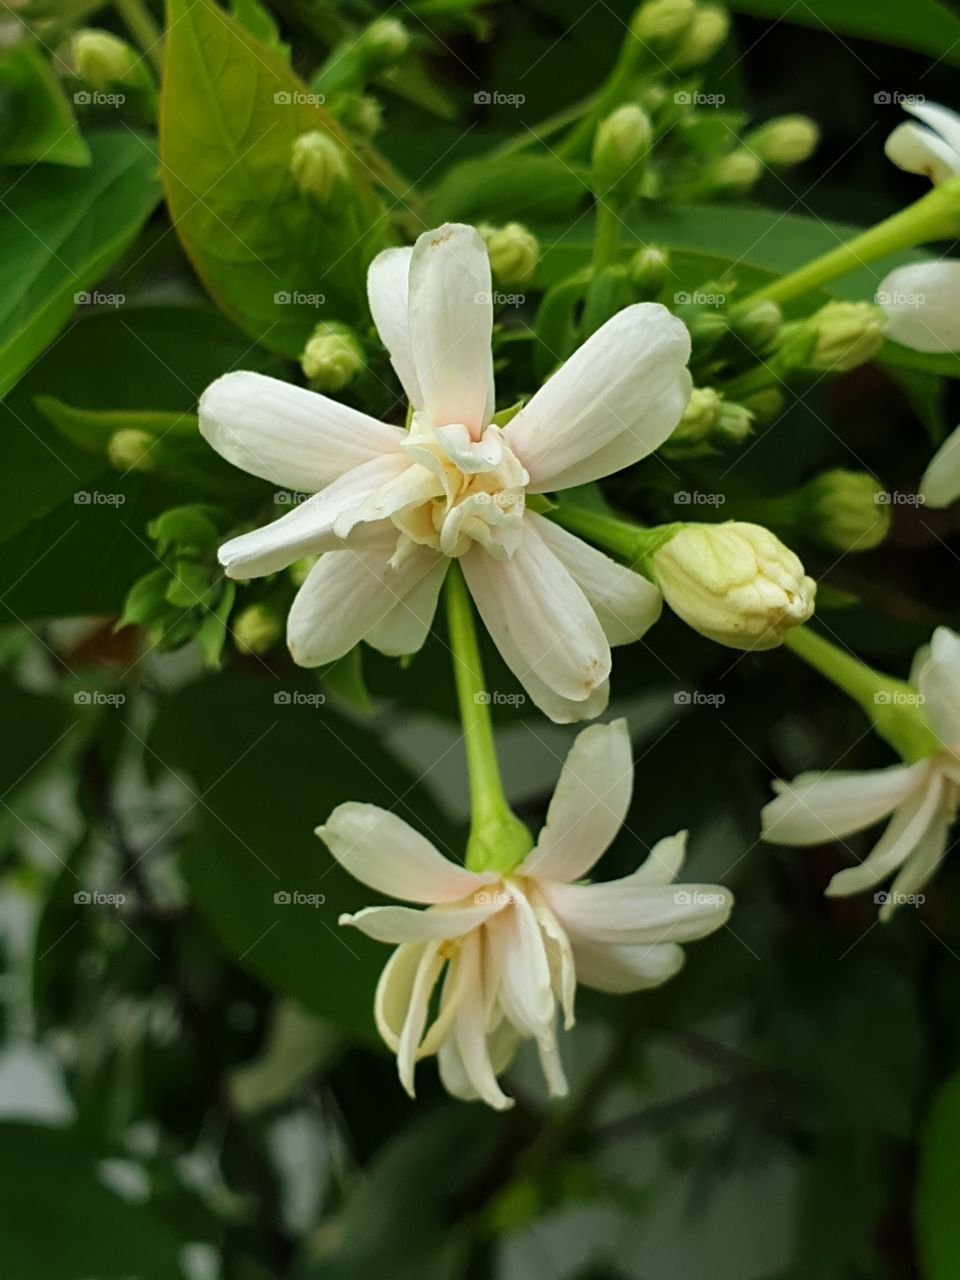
[
  {"x": 734, "y": 173},
  {"x": 256, "y": 628},
  {"x": 619, "y": 147},
  {"x": 130, "y": 450},
  {"x": 764, "y": 405},
  {"x": 735, "y": 583},
  {"x": 102, "y": 59},
  {"x": 785, "y": 141},
  {"x": 845, "y": 335},
  {"x": 514, "y": 252},
  {"x": 733, "y": 427},
  {"x": 383, "y": 43},
  {"x": 357, "y": 112},
  {"x": 699, "y": 418},
  {"x": 662, "y": 22},
  {"x": 839, "y": 509},
  {"x": 704, "y": 36},
  {"x": 332, "y": 357},
  {"x": 759, "y": 325},
  {"x": 648, "y": 270},
  {"x": 317, "y": 164}
]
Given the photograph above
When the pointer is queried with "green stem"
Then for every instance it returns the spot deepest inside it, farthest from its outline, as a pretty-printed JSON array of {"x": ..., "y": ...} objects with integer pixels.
[
  {"x": 544, "y": 129},
  {"x": 633, "y": 543},
  {"x": 606, "y": 235},
  {"x": 932, "y": 217},
  {"x": 498, "y": 839},
  {"x": 142, "y": 27}
]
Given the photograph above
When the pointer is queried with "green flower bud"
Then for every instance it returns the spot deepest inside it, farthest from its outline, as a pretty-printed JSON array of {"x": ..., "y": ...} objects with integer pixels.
[
  {"x": 785, "y": 141},
  {"x": 706, "y": 33},
  {"x": 759, "y": 325},
  {"x": 844, "y": 335},
  {"x": 257, "y": 628},
  {"x": 332, "y": 357},
  {"x": 699, "y": 418},
  {"x": 102, "y": 59},
  {"x": 648, "y": 270},
  {"x": 359, "y": 112},
  {"x": 662, "y": 22},
  {"x": 514, "y": 252},
  {"x": 734, "y": 426},
  {"x": 620, "y": 145},
  {"x": 841, "y": 510},
  {"x": 130, "y": 450},
  {"x": 735, "y": 173},
  {"x": 735, "y": 583},
  {"x": 384, "y": 42},
  {"x": 765, "y": 405},
  {"x": 317, "y": 164}
]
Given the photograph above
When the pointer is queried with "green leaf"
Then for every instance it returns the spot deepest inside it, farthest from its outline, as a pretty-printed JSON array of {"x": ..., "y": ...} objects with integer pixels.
[
  {"x": 529, "y": 187},
  {"x": 59, "y": 232},
  {"x": 252, "y": 15},
  {"x": 212, "y": 632},
  {"x": 270, "y": 258},
  {"x": 145, "y": 600},
  {"x": 36, "y": 120},
  {"x": 925, "y": 25},
  {"x": 935, "y": 1208}
]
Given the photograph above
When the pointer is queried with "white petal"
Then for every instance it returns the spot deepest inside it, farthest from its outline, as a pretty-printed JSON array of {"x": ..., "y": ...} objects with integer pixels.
[
  {"x": 819, "y": 807},
  {"x": 920, "y": 866},
  {"x": 939, "y": 685},
  {"x": 526, "y": 993},
  {"x": 627, "y": 604},
  {"x": 589, "y": 804},
  {"x": 904, "y": 832},
  {"x": 425, "y": 979},
  {"x": 620, "y": 968},
  {"x": 617, "y": 911},
  {"x": 294, "y": 437},
  {"x": 404, "y": 627},
  {"x": 388, "y": 292},
  {"x": 552, "y": 1068},
  {"x": 404, "y": 924},
  {"x": 469, "y": 1048},
  {"x": 394, "y": 988},
  {"x": 940, "y": 484},
  {"x": 943, "y": 121},
  {"x": 922, "y": 305},
  {"x": 539, "y": 618},
  {"x": 385, "y": 853},
  {"x": 918, "y": 150},
  {"x": 348, "y": 593},
  {"x": 663, "y": 863},
  {"x": 409, "y": 486},
  {"x": 307, "y": 529},
  {"x": 607, "y": 388},
  {"x": 451, "y": 323},
  {"x": 563, "y": 976}
]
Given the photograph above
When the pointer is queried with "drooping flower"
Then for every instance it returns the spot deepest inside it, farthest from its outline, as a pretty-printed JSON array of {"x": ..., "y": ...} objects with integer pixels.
[
  {"x": 932, "y": 147},
  {"x": 921, "y": 302},
  {"x": 507, "y": 951},
  {"x": 920, "y": 798},
  {"x": 390, "y": 507}
]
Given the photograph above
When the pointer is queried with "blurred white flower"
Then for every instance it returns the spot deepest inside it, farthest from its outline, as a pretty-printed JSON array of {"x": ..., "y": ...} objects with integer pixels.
[
  {"x": 931, "y": 147},
  {"x": 940, "y": 483},
  {"x": 508, "y": 951},
  {"x": 921, "y": 303},
  {"x": 391, "y": 506},
  {"x": 920, "y": 799}
]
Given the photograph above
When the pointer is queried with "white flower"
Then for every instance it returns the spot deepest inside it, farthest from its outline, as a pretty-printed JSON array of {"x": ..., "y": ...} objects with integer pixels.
[
  {"x": 921, "y": 303},
  {"x": 931, "y": 147},
  {"x": 922, "y": 797},
  {"x": 390, "y": 507},
  {"x": 940, "y": 483},
  {"x": 509, "y": 951}
]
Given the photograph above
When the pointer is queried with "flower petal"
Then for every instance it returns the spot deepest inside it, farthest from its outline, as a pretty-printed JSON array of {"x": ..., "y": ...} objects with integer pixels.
[
  {"x": 451, "y": 323},
  {"x": 621, "y": 968},
  {"x": 526, "y": 992},
  {"x": 919, "y": 150},
  {"x": 385, "y": 853},
  {"x": 906, "y": 829},
  {"x": 308, "y": 528},
  {"x": 465, "y": 1064},
  {"x": 394, "y": 988},
  {"x": 388, "y": 292},
  {"x": 663, "y": 863},
  {"x": 619, "y": 912},
  {"x": 922, "y": 305},
  {"x": 588, "y": 807},
  {"x": 348, "y": 593},
  {"x": 921, "y": 865},
  {"x": 425, "y": 979},
  {"x": 404, "y": 627},
  {"x": 940, "y": 484},
  {"x": 608, "y": 389},
  {"x": 939, "y": 685},
  {"x": 626, "y": 603},
  {"x": 286, "y": 434},
  {"x": 943, "y": 121},
  {"x": 539, "y": 618},
  {"x": 409, "y": 486},
  {"x": 404, "y": 924},
  {"x": 816, "y": 808}
]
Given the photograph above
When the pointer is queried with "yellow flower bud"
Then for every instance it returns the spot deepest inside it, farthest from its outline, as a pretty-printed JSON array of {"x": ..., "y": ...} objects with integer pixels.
[
  {"x": 840, "y": 509},
  {"x": 735, "y": 173},
  {"x": 699, "y": 418},
  {"x": 514, "y": 252},
  {"x": 130, "y": 450},
  {"x": 332, "y": 357},
  {"x": 257, "y": 628},
  {"x": 318, "y": 164},
  {"x": 735, "y": 583},
  {"x": 848, "y": 334},
  {"x": 660, "y": 22},
  {"x": 621, "y": 143},
  {"x": 785, "y": 141}
]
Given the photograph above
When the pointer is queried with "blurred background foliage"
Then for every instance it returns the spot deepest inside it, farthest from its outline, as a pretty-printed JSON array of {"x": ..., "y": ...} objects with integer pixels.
[{"x": 189, "y": 1065}]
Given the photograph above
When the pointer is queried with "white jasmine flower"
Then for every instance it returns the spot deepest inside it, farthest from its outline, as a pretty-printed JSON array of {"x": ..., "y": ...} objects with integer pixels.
[
  {"x": 940, "y": 484},
  {"x": 920, "y": 799},
  {"x": 931, "y": 147},
  {"x": 508, "y": 951},
  {"x": 921, "y": 302},
  {"x": 390, "y": 506}
]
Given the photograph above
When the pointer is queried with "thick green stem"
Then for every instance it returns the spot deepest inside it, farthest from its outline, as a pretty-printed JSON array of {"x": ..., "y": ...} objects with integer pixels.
[
  {"x": 606, "y": 235},
  {"x": 932, "y": 217},
  {"x": 633, "y": 543},
  {"x": 498, "y": 839},
  {"x": 140, "y": 24}
]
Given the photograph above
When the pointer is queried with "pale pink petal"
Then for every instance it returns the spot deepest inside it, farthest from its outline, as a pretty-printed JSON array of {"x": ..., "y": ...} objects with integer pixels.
[{"x": 388, "y": 292}]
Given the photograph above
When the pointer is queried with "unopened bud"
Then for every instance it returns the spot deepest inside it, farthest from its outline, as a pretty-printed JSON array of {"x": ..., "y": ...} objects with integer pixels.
[
  {"x": 332, "y": 357},
  {"x": 102, "y": 59},
  {"x": 735, "y": 173},
  {"x": 759, "y": 325},
  {"x": 786, "y": 141},
  {"x": 840, "y": 510},
  {"x": 704, "y": 36},
  {"x": 699, "y": 418},
  {"x": 648, "y": 270},
  {"x": 514, "y": 252},
  {"x": 256, "y": 628},
  {"x": 845, "y": 335},
  {"x": 662, "y": 22},
  {"x": 359, "y": 112},
  {"x": 621, "y": 144},
  {"x": 384, "y": 42},
  {"x": 733, "y": 427},
  {"x": 317, "y": 164},
  {"x": 764, "y": 405},
  {"x": 130, "y": 450}
]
